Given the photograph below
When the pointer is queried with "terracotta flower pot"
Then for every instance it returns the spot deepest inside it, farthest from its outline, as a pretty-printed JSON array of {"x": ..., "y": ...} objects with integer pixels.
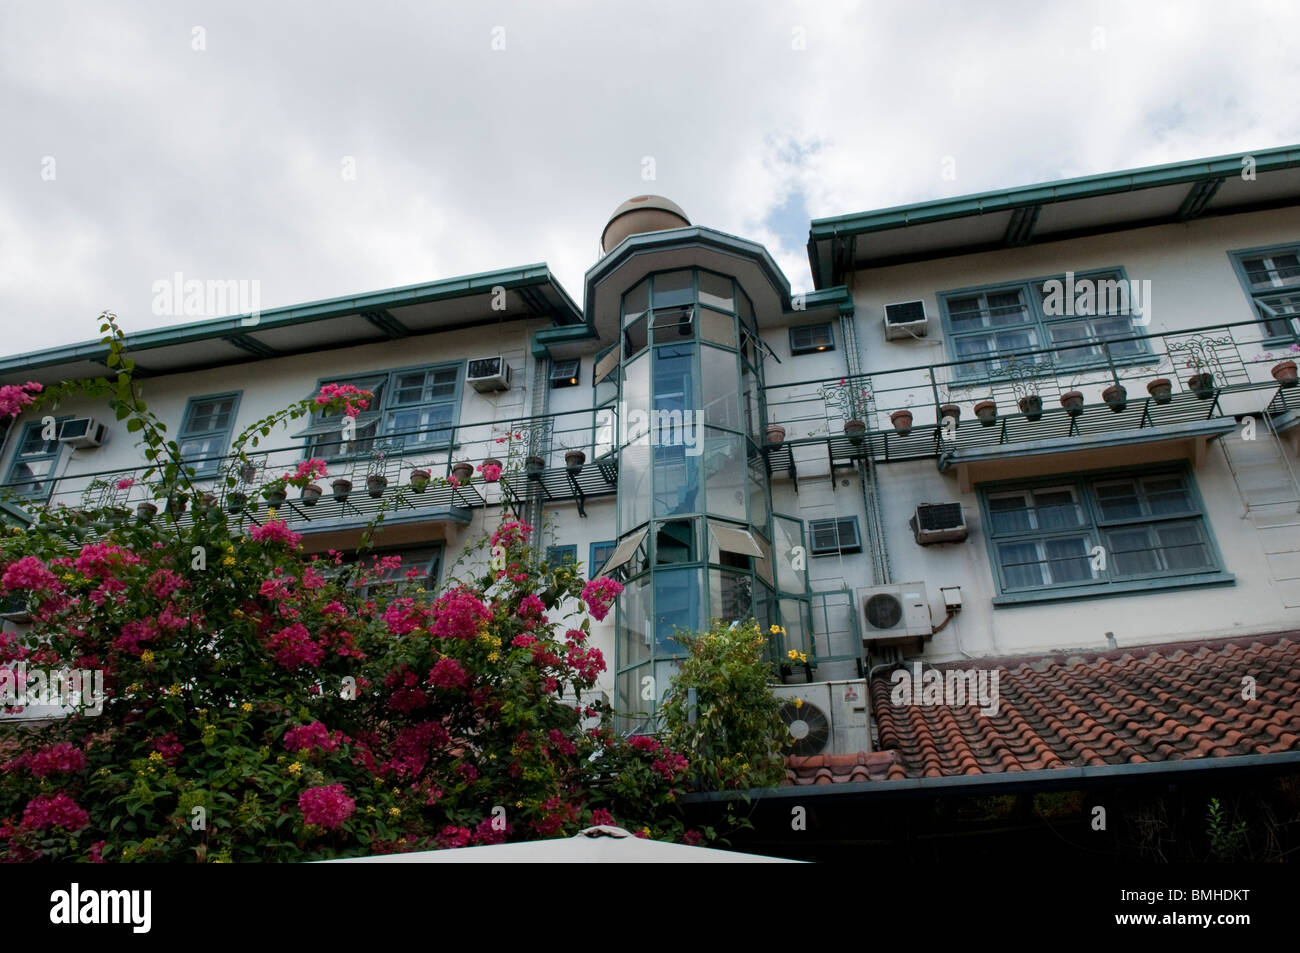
[
  {"x": 1202, "y": 385},
  {"x": 1284, "y": 372},
  {"x": 775, "y": 433},
  {"x": 1116, "y": 397},
  {"x": 573, "y": 460},
  {"x": 376, "y": 484},
  {"x": 275, "y": 495},
  {"x": 854, "y": 429},
  {"x": 341, "y": 489},
  {"x": 310, "y": 494},
  {"x": 902, "y": 421},
  {"x": 534, "y": 466},
  {"x": 1161, "y": 390},
  {"x": 949, "y": 410},
  {"x": 419, "y": 479},
  {"x": 462, "y": 471},
  {"x": 177, "y": 502},
  {"x": 145, "y": 511},
  {"x": 491, "y": 462},
  {"x": 987, "y": 412},
  {"x": 1072, "y": 401},
  {"x": 235, "y": 501},
  {"x": 1031, "y": 405}
]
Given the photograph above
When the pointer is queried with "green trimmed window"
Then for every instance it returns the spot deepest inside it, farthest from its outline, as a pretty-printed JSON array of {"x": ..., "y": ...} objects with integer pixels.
[
  {"x": 34, "y": 461},
  {"x": 417, "y": 408},
  {"x": 812, "y": 338},
  {"x": 559, "y": 555},
  {"x": 1069, "y": 320},
  {"x": 1271, "y": 277},
  {"x": 834, "y": 536},
  {"x": 1090, "y": 535},
  {"x": 206, "y": 431},
  {"x": 600, "y": 553}
]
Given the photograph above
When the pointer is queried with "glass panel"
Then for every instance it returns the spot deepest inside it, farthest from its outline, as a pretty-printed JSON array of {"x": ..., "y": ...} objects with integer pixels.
[
  {"x": 1006, "y": 307},
  {"x": 633, "y": 620},
  {"x": 758, "y": 493},
  {"x": 676, "y": 606},
  {"x": 675, "y": 542},
  {"x": 673, "y": 324},
  {"x": 674, "y": 381},
  {"x": 635, "y": 338},
  {"x": 676, "y": 480},
  {"x": 636, "y": 301},
  {"x": 753, "y": 406},
  {"x": 965, "y": 313},
  {"x": 788, "y": 537},
  {"x": 1182, "y": 547},
  {"x": 636, "y": 400},
  {"x": 794, "y": 622},
  {"x": 1119, "y": 327},
  {"x": 634, "y": 494},
  {"x": 1020, "y": 565},
  {"x": 763, "y": 564},
  {"x": 603, "y": 436},
  {"x": 210, "y": 415},
  {"x": 1129, "y": 552},
  {"x": 673, "y": 288},
  {"x": 746, "y": 311},
  {"x": 717, "y": 327},
  {"x": 724, "y": 474},
  {"x": 717, "y": 292},
  {"x": 731, "y": 595},
  {"x": 1118, "y": 499},
  {"x": 719, "y": 372},
  {"x": 1010, "y": 513},
  {"x": 1068, "y": 560},
  {"x": 1057, "y": 508},
  {"x": 1166, "y": 495}
]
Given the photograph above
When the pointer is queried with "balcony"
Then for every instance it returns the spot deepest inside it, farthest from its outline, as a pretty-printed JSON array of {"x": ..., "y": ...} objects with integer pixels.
[
  {"x": 380, "y": 469},
  {"x": 1021, "y": 398}
]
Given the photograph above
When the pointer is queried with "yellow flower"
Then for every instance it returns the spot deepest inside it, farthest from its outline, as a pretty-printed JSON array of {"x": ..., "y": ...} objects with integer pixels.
[
  {"x": 295, "y": 767},
  {"x": 147, "y": 657},
  {"x": 645, "y": 831},
  {"x": 270, "y": 512},
  {"x": 394, "y": 812},
  {"x": 798, "y": 703},
  {"x": 493, "y": 656},
  {"x": 155, "y": 756},
  {"x": 370, "y": 809},
  {"x": 228, "y": 561},
  {"x": 246, "y": 706}
]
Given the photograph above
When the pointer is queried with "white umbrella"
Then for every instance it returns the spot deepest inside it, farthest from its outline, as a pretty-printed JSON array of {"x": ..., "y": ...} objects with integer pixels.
[{"x": 594, "y": 845}]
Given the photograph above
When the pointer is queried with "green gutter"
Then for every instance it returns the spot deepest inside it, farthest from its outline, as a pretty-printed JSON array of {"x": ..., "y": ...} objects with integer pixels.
[
  {"x": 543, "y": 339},
  {"x": 528, "y": 276}
]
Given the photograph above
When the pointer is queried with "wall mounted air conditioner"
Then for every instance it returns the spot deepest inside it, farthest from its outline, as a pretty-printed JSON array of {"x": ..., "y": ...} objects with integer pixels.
[
  {"x": 894, "y": 613},
  {"x": 905, "y": 319},
  {"x": 938, "y": 523},
  {"x": 82, "y": 433},
  {"x": 825, "y": 717},
  {"x": 489, "y": 374}
]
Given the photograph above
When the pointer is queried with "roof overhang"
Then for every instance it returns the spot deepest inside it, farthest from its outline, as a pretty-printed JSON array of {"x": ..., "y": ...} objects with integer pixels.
[
  {"x": 1070, "y": 208},
  {"x": 514, "y": 294}
]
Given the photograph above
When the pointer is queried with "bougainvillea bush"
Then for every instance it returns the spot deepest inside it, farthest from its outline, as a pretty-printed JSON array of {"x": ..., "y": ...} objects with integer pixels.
[{"x": 264, "y": 704}]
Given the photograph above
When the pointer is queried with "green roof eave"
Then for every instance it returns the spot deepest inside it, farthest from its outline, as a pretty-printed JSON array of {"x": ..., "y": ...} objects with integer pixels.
[
  {"x": 566, "y": 313},
  {"x": 543, "y": 339}
]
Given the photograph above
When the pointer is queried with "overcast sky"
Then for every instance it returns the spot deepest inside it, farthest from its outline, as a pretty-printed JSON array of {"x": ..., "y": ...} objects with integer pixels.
[{"x": 216, "y": 139}]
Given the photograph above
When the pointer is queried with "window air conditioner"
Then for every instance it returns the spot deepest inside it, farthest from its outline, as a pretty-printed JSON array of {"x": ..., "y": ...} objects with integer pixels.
[
  {"x": 905, "y": 320},
  {"x": 489, "y": 374},
  {"x": 938, "y": 523},
  {"x": 82, "y": 433}
]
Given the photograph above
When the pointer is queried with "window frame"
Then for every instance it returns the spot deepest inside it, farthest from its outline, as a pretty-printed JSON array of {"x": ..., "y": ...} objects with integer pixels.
[
  {"x": 35, "y": 426},
  {"x": 386, "y": 406},
  {"x": 592, "y": 565},
  {"x": 1254, "y": 297},
  {"x": 798, "y": 350},
  {"x": 208, "y": 466},
  {"x": 1040, "y": 324},
  {"x": 1096, "y": 527},
  {"x": 840, "y": 550},
  {"x": 561, "y": 549}
]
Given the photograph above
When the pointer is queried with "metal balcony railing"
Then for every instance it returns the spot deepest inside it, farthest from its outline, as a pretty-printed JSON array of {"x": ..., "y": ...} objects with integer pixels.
[{"x": 1029, "y": 390}]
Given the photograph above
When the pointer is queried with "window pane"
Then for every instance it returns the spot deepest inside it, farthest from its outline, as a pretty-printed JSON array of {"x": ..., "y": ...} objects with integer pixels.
[
  {"x": 718, "y": 328},
  {"x": 676, "y": 480},
  {"x": 677, "y": 606},
  {"x": 966, "y": 314},
  {"x": 636, "y": 301},
  {"x": 731, "y": 595},
  {"x": 718, "y": 376},
  {"x": 633, "y": 622},
  {"x": 1057, "y": 508},
  {"x": 1118, "y": 499},
  {"x": 635, "y": 337},
  {"x": 1020, "y": 565},
  {"x": 717, "y": 291},
  {"x": 1166, "y": 495},
  {"x": 1068, "y": 559},
  {"x": 673, "y": 288},
  {"x": 1006, "y": 307},
  {"x": 724, "y": 469},
  {"x": 1009, "y": 513},
  {"x": 634, "y": 476},
  {"x": 1182, "y": 547},
  {"x": 1129, "y": 552}
]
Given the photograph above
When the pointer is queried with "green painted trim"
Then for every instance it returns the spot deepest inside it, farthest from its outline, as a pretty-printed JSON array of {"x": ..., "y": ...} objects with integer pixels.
[
  {"x": 1157, "y": 584},
  {"x": 544, "y": 339},
  {"x": 1237, "y": 258},
  {"x": 15, "y": 515},
  {"x": 1213, "y": 427},
  {"x": 213, "y": 467}
]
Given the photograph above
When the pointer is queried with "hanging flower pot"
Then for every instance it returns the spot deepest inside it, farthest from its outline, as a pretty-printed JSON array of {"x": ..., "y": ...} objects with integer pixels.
[
  {"x": 145, "y": 511},
  {"x": 573, "y": 460},
  {"x": 207, "y": 500},
  {"x": 1284, "y": 372},
  {"x": 775, "y": 433},
  {"x": 275, "y": 494},
  {"x": 534, "y": 466},
  {"x": 1072, "y": 401},
  {"x": 462, "y": 472},
  {"x": 341, "y": 489},
  {"x": 235, "y": 501},
  {"x": 902, "y": 421},
  {"x": 1116, "y": 398},
  {"x": 248, "y": 472},
  {"x": 310, "y": 494},
  {"x": 987, "y": 412},
  {"x": 1031, "y": 405},
  {"x": 419, "y": 479},
  {"x": 1202, "y": 385},
  {"x": 949, "y": 410},
  {"x": 177, "y": 502},
  {"x": 376, "y": 484},
  {"x": 854, "y": 429},
  {"x": 1161, "y": 390}
]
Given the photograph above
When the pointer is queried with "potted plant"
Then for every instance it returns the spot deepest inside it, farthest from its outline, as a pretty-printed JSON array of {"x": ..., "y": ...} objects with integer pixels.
[
  {"x": 145, "y": 511},
  {"x": 1161, "y": 390},
  {"x": 248, "y": 471},
  {"x": 235, "y": 501},
  {"x": 376, "y": 484},
  {"x": 1031, "y": 405},
  {"x": 1116, "y": 397},
  {"x": 949, "y": 410},
  {"x": 206, "y": 500},
  {"x": 1072, "y": 401},
  {"x": 177, "y": 502},
  {"x": 775, "y": 433},
  {"x": 310, "y": 494},
  {"x": 419, "y": 479},
  {"x": 342, "y": 488},
  {"x": 902, "y": 421},
  {"x": 854, "y": 429},
  {"x": 275, "y": 492},
  {"x": 462, "y": 471},
  {"x": 1284, "y": 372},
  {"x": 573, "y": 460},
  {"x": 987, "y": 412},
  {"x": 533, "y": 466},
  {"x": 491, "y": 469}
]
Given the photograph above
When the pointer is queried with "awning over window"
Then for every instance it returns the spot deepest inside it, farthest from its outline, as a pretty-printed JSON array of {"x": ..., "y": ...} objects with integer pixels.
[
  {"x": 733, "y": 540},
  {"x": 623, "y": 553}
]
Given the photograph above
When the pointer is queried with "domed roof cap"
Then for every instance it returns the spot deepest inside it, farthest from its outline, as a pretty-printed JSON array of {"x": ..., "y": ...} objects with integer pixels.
[{"x": 643, "y": 213}]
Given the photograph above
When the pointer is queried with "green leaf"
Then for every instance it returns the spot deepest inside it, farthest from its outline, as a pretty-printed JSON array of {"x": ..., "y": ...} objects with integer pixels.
[{"x": 134, "y": 424}]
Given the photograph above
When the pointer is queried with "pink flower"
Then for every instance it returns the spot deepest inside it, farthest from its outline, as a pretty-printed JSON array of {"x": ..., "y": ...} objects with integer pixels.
[
  {"x": 275, "y": 531},
  {"x": 522, "y": 641},
  {"x": 458, "y": 614},
  {"x": 125, "y": 484},
  {"x": 60, "y": 758},
  {"x": 167, "y": 746},
  {"x": 293, "y": 647},
  {"x": 29, "y": 573},
  {"x": 354, "y": 398},
  {"x": 599, "y": 595},
  {"x": 455, "y": 483},
  {"x": 163, "y": 583},
  {"x": 453, "y": 836},
  {"x": 43, "y": 812},
  {"x": 326, "y": 805},
  {"x": 14, "y": 397},
  {"x": 135, "y": 632},
  {"x": 313, "y": 737},
  {"x": 447, "y": 673},
  {"x": 95, "y": 856},
  {"x": 644, "y": 743},
  {"x": 101, "y": 560},
  {"x": 531, "y": 607},
  {"x": 491, "y": 472},
  {"x": 602, "y": 817}
]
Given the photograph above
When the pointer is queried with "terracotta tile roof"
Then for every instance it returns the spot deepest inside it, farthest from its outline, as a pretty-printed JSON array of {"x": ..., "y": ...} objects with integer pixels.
[{"x": 1130, "y": 706}]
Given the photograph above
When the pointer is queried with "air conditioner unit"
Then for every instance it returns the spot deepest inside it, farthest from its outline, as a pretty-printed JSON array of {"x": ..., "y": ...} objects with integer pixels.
[
  {"x": 905, "y": 320},
  {"x": 489, "y": 374},
  {"x": 81, "y": 432},
  {"x": 938, "y": 523},
  {"x": 896, "y": 613},
  {"x": 825, "y": 717}
]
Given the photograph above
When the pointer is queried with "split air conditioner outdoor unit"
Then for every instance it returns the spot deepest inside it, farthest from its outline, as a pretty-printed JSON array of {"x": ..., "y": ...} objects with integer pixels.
[
  {"x": 938, "y": 523},
  {"x": 905, "y": 320},
  {"x": 825, "y": 717},
  {"x": 895, "y": 613},
  {"x": 489, "y": 374},
  {"x": 82, "y": 433}
]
